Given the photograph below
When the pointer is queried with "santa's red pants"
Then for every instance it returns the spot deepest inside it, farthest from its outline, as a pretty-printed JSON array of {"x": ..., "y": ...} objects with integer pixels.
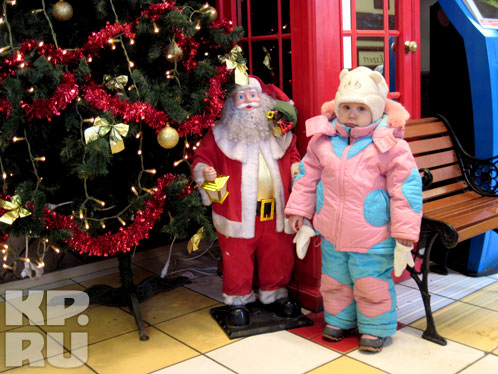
[{"x": 274, "y": 252}]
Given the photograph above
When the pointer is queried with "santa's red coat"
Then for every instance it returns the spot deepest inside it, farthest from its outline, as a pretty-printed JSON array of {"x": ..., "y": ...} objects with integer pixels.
[{"x": 235, "y": 217}]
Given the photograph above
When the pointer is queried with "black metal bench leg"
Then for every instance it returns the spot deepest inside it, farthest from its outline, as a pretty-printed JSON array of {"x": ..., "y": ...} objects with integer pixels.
[{"x": 430, "y": 332}]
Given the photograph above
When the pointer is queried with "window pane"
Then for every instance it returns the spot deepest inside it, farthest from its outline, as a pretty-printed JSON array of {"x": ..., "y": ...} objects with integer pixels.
[
  {"x": 392, "y": 65},
  {"x": 370, "y": 14},
  {"x": 242, "y": 14},
  {"x": 371, "y": 52},
  {"x": 285, "y": 17},
  {"x": 264, "y": 17},
  {"x": 346, "y": 14},
  {"x": 287, "y": 67},
  {"x": 346, "y": 51},
  {"x": 265, "y": 61}
]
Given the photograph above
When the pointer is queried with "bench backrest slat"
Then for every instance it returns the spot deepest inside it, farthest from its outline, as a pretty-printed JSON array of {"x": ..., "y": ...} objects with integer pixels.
[
  {"x": 433, "y": 149},
  {"x": 437, "y": 159},
  {"x": 417, "y": 129},
  {"x": 444, "y": 190},
  {"x": 446, "y": 173},
  {"x": 430, "y": 145}
]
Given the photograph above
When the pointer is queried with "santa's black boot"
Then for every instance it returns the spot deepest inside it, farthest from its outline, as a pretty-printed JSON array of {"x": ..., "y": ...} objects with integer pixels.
[
  {"x": 238, "y": 316},
  {"x": 285, "y": 308}
]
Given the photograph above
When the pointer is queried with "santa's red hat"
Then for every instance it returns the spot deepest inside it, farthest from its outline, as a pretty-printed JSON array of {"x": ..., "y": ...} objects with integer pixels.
[{"x": 270, "y": 89}]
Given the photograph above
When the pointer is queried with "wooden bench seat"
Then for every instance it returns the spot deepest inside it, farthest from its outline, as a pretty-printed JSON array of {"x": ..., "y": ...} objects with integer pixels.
[
  {"x": 459, "y": 193},
  {"x": 469, "y": 213}
]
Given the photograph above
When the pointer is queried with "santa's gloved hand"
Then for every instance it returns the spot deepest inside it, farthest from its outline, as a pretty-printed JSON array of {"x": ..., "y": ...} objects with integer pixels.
[
  {"x": 302, "y": 239},
  {"x": 402, "y": 257}
]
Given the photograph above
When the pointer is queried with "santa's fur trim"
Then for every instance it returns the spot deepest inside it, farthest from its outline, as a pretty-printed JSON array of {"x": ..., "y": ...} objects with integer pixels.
[
  {"x": 249, "y": 193},
  {"x": 199, "y": 178},
  {"x": 238, "y": 300},
  {"x": 268, "y": 297}
]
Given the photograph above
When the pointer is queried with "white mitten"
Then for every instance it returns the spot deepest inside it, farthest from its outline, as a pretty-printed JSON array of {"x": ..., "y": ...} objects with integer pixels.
[
  {"x": 302, "y": 239},
  {"x": 402, "y": 257}
]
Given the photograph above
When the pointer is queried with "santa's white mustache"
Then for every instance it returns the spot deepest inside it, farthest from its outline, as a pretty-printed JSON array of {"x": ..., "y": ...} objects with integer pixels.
[{"x": 245, "y": 105}]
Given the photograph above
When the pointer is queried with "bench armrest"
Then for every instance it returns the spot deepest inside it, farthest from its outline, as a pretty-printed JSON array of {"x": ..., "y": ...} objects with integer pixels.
[
  {"x": 480, "y": 174},
  {"x": 427, "y": 177},
  {"x": 447, "y": 233}
]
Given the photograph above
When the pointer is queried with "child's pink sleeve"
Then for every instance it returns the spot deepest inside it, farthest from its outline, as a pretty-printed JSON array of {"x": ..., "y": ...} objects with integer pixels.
[
  {"x": 405, "y": 189},
  {"x": 302, "y": 200}
]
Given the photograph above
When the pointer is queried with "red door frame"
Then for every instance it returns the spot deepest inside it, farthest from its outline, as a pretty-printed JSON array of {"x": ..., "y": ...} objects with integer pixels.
[
  {"x": 408, "y": 63},
  {"x": 316, "y": 58}
]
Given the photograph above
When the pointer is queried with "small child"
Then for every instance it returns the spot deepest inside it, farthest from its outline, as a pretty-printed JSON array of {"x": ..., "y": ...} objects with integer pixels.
[{"x": 360, "y": 185}]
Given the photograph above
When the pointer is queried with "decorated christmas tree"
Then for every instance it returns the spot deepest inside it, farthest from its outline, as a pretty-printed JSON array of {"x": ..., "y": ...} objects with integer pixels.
[{"x": 101, "y": 105}]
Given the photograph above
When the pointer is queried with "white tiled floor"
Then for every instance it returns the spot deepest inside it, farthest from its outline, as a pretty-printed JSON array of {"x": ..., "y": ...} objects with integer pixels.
[
  {"x": 410, "y": 354},
  {"x": 410, "y": 305},
  {"x": 487, "y": 364},
  {"x": 185, "y": 339},
  {"x": 268, "y": 351},
  {"x": 454, "y": 285}
]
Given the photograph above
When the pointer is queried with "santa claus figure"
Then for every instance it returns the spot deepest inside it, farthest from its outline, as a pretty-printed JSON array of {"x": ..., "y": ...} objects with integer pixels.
[{"x": 250, "y": 222}]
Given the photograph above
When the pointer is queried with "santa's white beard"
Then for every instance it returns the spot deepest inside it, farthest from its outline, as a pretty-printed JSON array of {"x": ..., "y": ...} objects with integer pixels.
[{"x": 247, "y": 126}]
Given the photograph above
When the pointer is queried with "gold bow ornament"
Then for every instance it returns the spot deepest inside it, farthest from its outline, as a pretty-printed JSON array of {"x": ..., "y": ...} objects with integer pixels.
[
  {"x": 116, "y": 83},
  {"x": 193, "y": 243},
  {"x": 15, "y": 210},
  {"x": 241, "y": 76},
  {"x": 101, "y": 127}
]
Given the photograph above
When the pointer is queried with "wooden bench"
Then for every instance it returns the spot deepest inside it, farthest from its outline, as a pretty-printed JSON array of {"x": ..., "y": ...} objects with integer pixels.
[{"x": 459, "y": 194}]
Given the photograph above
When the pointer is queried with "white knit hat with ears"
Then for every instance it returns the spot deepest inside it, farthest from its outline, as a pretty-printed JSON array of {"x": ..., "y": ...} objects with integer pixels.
[{"x": 362, "y": 86}]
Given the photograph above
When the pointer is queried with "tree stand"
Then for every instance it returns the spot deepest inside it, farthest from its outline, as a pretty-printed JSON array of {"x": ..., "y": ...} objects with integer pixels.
[{"x": 130, "y": 294}]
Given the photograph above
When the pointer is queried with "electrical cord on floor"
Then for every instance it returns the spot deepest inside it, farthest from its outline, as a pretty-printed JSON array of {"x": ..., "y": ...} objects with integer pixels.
[
  {"x": 165, "y": 269},
  {"x": 200, "y": 271}
]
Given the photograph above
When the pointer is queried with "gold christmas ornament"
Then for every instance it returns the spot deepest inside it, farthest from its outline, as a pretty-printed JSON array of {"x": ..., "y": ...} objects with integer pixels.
[
  {"x": 211, "y": 11},
  {"x": 173, "y": 52},
  {"x": 62, "y": 11},
  {"x": 168, "y": 137}
]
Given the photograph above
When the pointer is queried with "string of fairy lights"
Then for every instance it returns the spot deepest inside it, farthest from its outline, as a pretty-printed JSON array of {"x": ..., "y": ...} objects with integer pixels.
[{"x": 181, "y": 48}]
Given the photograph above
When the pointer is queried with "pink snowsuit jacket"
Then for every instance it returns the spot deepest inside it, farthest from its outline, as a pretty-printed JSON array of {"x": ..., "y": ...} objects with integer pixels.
[{"x": 360, "y": 189}]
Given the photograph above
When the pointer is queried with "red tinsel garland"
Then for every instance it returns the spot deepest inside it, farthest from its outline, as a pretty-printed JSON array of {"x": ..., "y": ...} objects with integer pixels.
[
  {"x": 155, "y": 11},
  {"x": 98, "y": 98},
  {"x": 5, "y": 107},
  {"x": 214, "y": 104},
  {"x": 188, "y": 44},
  {"x": 66, "y": 92},
  {"x": 121, "y": 241}
]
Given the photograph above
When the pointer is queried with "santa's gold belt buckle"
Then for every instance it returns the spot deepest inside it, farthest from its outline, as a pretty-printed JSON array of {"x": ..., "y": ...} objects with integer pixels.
[{"x": 267, "y": 217}]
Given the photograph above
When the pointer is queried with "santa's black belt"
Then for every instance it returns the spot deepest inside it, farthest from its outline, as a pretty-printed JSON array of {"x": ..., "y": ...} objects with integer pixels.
[{"x": 265, "y": 209}]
